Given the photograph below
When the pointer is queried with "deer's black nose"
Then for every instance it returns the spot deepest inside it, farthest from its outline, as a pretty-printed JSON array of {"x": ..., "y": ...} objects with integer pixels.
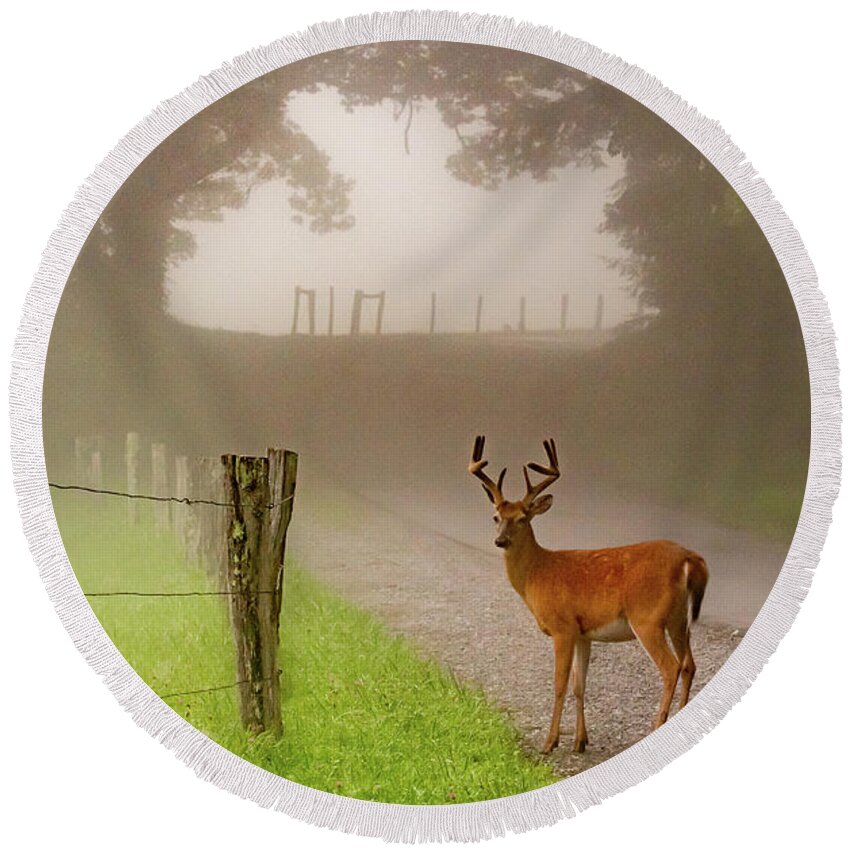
[{"x": 503, "y": 542}]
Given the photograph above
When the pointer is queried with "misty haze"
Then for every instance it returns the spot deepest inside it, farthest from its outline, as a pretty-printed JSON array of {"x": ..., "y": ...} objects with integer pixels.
[
  {"x": 418, "y": 230},
  {"x": 477, "y": 241}
]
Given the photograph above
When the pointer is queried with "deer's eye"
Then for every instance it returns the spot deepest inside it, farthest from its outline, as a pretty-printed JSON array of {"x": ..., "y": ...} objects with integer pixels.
[{"x": 495, "y": 518}]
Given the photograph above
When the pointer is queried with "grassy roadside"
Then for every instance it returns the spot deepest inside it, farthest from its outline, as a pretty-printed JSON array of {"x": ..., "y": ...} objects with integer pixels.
[{"x": 363, "y": 715}]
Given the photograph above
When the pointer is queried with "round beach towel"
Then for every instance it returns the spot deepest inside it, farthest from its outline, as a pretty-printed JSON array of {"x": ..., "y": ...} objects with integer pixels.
[{"x": 429, "y": 425}]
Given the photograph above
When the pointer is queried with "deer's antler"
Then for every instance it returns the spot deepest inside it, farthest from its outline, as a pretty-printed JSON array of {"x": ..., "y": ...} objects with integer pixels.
[
  {"x": 552, "y": 473},
  {"x": 476, "y": 467}
]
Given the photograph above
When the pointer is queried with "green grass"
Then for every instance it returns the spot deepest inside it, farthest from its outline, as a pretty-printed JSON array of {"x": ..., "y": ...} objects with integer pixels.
[{"x": 363, "y": 715}]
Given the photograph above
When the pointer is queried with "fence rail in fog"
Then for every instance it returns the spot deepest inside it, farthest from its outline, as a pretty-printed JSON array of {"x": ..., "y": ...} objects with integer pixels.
[{"x": 308, "y": 296}]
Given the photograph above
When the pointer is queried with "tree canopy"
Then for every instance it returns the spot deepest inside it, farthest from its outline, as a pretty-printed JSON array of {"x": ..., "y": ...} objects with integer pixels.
[{"x": 514, "y": 113}]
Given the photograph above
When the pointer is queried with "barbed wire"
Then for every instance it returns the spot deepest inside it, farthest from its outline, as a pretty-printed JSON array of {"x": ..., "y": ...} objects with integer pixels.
[
  {"x": 180, "y": 593},
  {"x": 186, "y": 593},
  {"x": 218, "y": 687},
  {"x": 183, "y": 500}
]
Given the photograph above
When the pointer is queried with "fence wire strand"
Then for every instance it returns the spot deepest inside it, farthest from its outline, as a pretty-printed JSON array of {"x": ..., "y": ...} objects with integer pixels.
[
  {"x": 179, "y": 593},
  {"x": 182, "y": 500},
  {"x": 187, "y": 593},
  {"x": 218, "y": 687}
]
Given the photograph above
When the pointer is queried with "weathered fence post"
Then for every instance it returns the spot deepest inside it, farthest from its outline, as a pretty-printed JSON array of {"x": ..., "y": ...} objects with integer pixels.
[
  {"x": 478, "y": 308},
  {"x": 382, "y": 297},
  {"x": 80, "y": 465},
  {"x": 159, "y": 486},
  {"x": 210, "y": 519},
  {"x": 96, "y": 469},
  {"x": 356, "y": 311},
  {"x": 433, "y": 323},
  {"x": 201, "y": 489},
  {"x": 565, "y": 303},
  {"x": 260, "y": 492},
  {"x": 600, "y": 307},
  {"x": 131, "y": 456},
  {"x": 331, "y": 313},
  {"x": 295, "y": 310},
  {"x": 356, "y": 308},
  {"x": 88, "y": 461},
  {"x": 219, "y": 523},
  {"x": 521, "y": 326},
  {"x": 192, "y": 530},
  {"x": 310, "y": 295},
  {"x": 181, "y": 491}
]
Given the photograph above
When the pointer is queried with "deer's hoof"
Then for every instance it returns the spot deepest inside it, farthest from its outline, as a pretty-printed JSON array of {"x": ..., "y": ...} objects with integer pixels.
[
  {"x": 550, "y": 745},
  {"x": 580, "y": 746}
]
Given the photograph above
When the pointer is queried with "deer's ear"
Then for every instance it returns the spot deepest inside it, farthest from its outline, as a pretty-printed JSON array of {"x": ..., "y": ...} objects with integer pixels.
[{"x": 540, "y": 505}]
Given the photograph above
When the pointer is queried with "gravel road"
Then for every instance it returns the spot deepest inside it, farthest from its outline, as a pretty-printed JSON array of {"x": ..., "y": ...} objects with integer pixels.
[{"x": 453, "y": 601}]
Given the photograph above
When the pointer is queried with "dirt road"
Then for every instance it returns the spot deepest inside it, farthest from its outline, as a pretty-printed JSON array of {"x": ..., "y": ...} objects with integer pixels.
[
  {"x": 743, "y": 565},
  {"x": 453, "y": 601}
]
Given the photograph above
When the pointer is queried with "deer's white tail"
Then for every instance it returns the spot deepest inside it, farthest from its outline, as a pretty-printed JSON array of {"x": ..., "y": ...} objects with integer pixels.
[{"x": 696, "y": 576}]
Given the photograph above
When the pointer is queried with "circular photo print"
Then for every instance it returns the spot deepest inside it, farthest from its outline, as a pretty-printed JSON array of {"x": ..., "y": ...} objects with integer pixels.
[{"x": 426, "y": 422}]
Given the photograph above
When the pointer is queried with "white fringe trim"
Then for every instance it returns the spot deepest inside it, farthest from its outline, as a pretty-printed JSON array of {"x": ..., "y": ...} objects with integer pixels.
[{"x": 470, "y": 821}]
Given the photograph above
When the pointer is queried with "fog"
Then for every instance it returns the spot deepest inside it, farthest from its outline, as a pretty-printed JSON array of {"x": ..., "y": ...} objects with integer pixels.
[
  {"x": 691, "y": 424},
  {"x": 418, "y": 230}
]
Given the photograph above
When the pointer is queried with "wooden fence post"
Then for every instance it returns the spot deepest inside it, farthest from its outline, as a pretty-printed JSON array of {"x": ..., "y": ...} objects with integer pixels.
[
  {"x": 600, "y": 307},
  {"x": 310, "y": 295},
  {"x": 565, "y": 303},
  {"x": 88, "y": 461},
  {"x": 331, "y": 313},
  {"x": 202, "y": 487},
  {"x": 295, "y": 310},
  {"x": 260, "y": 491},
  {"x": 356, "y": 311},
  {"x": 478, "y": 309},
  {"x": 96, "y": 470},
  {"x": 159, "y": 486},
  {"x": 382, "y": 297},
  {"x": 433, "y": 323},
  {"x": 80, "y": 464},
  {"x": 521, "y": 326},
  {"x": 131, "y": 456},
  {"x": 192, "y": 530},
  {"x": 181, "y": 491},
  {"x": 219, "y": 521},
  {"x": 210, "y": 520}
]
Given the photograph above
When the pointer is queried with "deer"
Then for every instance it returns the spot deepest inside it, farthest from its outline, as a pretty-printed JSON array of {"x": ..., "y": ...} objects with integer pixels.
[{"x": 646, "y": 591}]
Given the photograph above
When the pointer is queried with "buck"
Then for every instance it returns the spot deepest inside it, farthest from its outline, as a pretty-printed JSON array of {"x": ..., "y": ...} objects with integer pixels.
[{"x": 646, "y": 591}]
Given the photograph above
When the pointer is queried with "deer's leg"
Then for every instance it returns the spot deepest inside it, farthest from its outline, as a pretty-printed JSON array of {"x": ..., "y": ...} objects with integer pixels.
[
  {"x": 563, "y": 661},
  {"x": 652, "y": 638},
  {"x": 680, "y": 638},
  {"x": 581, "y": 658}
]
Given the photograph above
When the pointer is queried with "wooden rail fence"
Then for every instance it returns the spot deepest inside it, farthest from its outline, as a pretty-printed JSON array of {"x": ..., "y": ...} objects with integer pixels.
[{"x": 309, "y": 296}]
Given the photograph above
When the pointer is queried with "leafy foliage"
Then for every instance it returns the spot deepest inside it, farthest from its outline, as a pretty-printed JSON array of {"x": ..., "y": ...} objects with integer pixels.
[{"x": 514, "y": 113}]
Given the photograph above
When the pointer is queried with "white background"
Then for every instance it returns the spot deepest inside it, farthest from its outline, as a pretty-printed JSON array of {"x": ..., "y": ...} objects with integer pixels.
[{"x": 78, "y": 76}]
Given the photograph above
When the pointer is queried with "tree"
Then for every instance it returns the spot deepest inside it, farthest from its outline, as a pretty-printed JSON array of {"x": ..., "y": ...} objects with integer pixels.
[{"x": 209, "y": 164}]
